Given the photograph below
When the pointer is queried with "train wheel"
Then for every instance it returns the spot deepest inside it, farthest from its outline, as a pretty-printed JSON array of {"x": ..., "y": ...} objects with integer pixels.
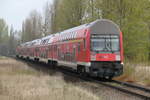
[
  {"x": 50, "y": 63},
  {"x": 110, "y": 78},
  {"x": 53, "y": 64},
  {"x": 81, "y": 70}
]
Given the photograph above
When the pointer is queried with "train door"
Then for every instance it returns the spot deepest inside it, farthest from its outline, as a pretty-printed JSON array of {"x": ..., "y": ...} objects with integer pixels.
[
  {"x": 65, "y": 52},
  {"x": 74, "y": 53},
  {"x": 58, "y": 54},
  {"x": 78, "y": 51},
  {"x": 36, "y": 51},
  {"x": 52, "y": 52},
  {"x": 46, "y": 52},
  {"x": 55, "y": 51},
  {"x": 49, "y": 51}
]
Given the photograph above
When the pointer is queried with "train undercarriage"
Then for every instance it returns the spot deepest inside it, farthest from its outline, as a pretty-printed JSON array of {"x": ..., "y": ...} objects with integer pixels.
[{"x": 106, "y": 69}]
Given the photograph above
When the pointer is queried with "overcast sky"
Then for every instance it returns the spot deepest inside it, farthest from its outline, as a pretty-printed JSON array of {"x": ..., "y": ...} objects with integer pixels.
[{"x": 15, "y": 11}]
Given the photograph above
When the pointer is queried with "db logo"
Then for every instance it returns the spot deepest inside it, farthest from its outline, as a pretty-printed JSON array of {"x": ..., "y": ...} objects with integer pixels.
[{"x": 104, "y": 57}]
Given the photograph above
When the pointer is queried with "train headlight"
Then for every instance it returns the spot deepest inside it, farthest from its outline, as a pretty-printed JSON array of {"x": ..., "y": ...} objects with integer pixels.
[
  {"x": 118, "y": 57},
  {"x": 93, "y": 56}
]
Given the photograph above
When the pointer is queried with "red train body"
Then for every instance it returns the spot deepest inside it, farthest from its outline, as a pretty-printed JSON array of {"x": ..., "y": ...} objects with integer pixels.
[{"x": 95, "y": 48}]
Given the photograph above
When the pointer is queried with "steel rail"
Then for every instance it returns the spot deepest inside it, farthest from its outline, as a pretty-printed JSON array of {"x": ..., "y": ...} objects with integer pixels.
[{"x": 132, "y": 85}]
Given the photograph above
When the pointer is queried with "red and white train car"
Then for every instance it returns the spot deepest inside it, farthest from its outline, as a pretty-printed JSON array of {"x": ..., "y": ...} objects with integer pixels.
[{"x": 95, "y": 48}]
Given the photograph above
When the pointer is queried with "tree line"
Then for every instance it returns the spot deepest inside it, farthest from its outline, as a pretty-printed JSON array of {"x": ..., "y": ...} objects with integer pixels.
[{"x": 8, "y": 39}]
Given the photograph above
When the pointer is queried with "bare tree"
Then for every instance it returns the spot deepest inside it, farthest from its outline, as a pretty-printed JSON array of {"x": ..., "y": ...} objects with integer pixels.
[
  {"x": 32, "y": 26},
  {"x": 47, "y": 19}
]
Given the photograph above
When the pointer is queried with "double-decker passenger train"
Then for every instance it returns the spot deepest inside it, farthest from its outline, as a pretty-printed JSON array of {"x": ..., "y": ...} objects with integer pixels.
[{"x": 95, "y": 48}]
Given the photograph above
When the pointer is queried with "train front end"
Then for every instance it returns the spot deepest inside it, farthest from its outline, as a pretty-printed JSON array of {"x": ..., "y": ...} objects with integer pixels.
[{"x": 106, "y": 49}]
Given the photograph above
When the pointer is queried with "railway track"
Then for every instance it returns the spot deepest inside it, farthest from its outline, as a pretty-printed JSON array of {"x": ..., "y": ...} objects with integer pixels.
[
  {"x": 133, "y": 89},
  {"x": 132, "y": 85},
  {"x": 128, "y": 88},
  {"x": 139, "y": 91}
]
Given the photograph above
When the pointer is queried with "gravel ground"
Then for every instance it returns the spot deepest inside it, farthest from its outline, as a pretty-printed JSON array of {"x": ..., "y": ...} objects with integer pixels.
[{"x": 26, "y": 81}]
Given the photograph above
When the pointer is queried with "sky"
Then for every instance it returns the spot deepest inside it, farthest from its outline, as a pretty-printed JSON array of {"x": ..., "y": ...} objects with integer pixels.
[{"x": 15, "y": 11}]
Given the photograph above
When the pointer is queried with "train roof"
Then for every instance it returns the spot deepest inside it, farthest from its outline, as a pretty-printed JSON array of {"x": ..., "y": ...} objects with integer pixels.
[
  {"x": 31, "y": 43},
  {"x": 69, "y": 33},
  {"x": 104, "y": 26},
  {"x": 100, "y": 26},
  {"x": 35, "y": 42}
]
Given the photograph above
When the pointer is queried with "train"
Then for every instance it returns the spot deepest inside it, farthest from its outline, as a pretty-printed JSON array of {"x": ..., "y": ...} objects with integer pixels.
[{"x": 94, "y": 48}]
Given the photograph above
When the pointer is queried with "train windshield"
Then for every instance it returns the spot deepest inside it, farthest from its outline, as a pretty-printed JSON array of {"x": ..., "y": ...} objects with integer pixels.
[{"x": 105, "y": 43}]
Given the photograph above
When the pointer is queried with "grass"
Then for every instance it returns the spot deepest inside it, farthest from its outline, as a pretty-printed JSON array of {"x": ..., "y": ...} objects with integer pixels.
[
  {"x": 18, "y": 81},
  {"x": 136, "y": 73},
  {"x": 147, "y": 81},
  {"x": 3, "y": 57}
]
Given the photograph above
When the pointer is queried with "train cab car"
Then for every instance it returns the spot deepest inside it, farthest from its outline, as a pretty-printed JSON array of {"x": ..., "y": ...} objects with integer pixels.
[
  {"x": 106, "y": 49},
  {"x": 95, "y": 48}
]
